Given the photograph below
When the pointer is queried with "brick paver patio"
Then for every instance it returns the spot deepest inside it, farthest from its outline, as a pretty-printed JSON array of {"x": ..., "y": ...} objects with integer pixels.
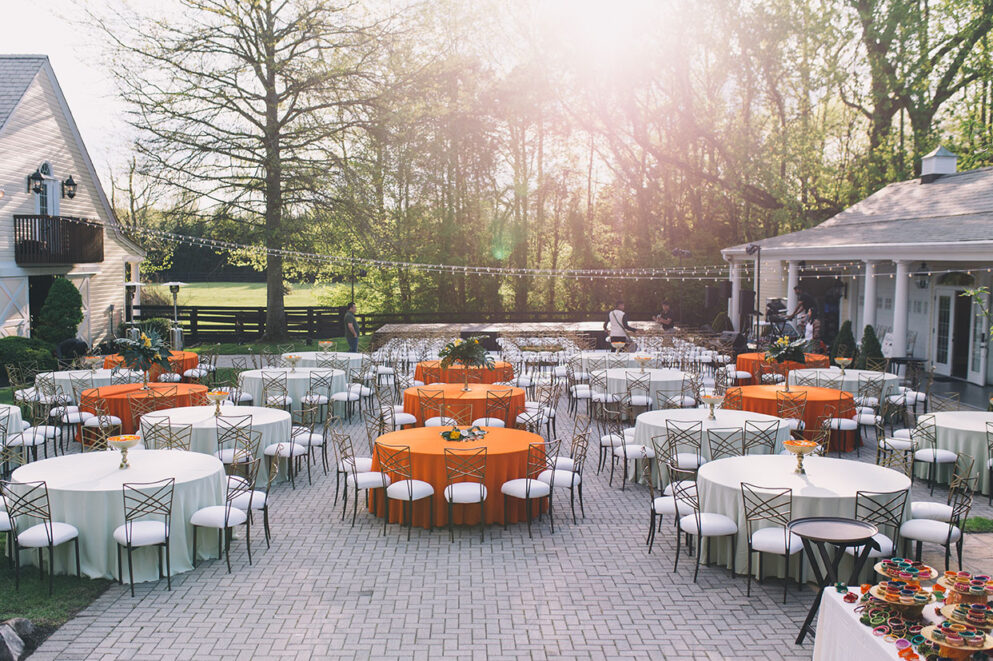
[{"x": 327, "y": 590}]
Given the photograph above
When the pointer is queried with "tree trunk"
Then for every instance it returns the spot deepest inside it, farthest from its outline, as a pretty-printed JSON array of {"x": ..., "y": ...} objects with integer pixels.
[{"x": 275, "y": 317}]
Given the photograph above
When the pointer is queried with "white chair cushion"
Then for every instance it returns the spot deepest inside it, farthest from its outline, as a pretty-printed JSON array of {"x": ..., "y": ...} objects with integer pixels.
[
  {"x": 739, "y": 375},
  {"x": 928, "y": 510},
  {"x": 488, "y": 422},
  {"x": 634, "y": 451},
  {"x": 213, "y": 516},
  {"x": 711, "y": 525},
  {"x": 240, "y": 396},
  {"x": 367, "y": 480},
  {"x": 867, "y": 401},
  {"x": 773, "y": 540},
  {"x": 226, "y": 455},
  {"x": 521, "y": 487},
  {"x": 611, "y": 440},
  {"x": 254, "y": 498},
  {"x": 929, "y": 530},
  {"x": 885, "y": 547},
  {"x": 899, "y": 400},
  {"x": 401, "y": 419},
  {"x": 4, "y": 521},
  {"x": 902, "y": 433},
  {"x": 560, "y": 478},
  {"x": 843, "y": 424},
  {"x": 895, "y": 444},
  {"x": 62, "y": 410},
  {"x": 867, "y": 419},
  {"x": 312, "y": 439},
  {"x": 794, "y": 423},
  {"x": 30, "y": 437},
  {"x": 937, "y": 456},
  {"x": 686, "y": 483},
  {"x": 195, "y": 373},
  {"x": 666, "y": 506},
  {"x": 279, "y": 400},
  {"x": 143, "y": 533},
  {"x": 285, "y": 450},
  {"x": 37, "y": 536},
  {"x": 362, "y": 465},
  {"x": 641, "y": 400},
  {"x": 564, "y": 463},
  {"x": 409, "y": 490},
  {"x": 314, "y": 399},
  {"x": 688, "y": 460},
  {"x": 111, "y": 420},
  {"x": 440, "y": 421},
  {"x": 465, "y": 492},
  {"x": 77, "y": 418},
  {"x": 169, "y": 377}
]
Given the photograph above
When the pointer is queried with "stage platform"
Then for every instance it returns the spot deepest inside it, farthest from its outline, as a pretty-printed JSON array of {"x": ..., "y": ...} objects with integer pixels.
[{"x": 590, "y": 329}]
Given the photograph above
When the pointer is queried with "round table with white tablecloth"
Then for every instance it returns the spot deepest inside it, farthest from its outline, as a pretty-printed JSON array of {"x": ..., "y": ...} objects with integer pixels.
[
  {"x": 827, "y": 489},
  {"x": 274, "y": 424},
  {"x": 850, "y": 381},
  {"x": 668, "y": 381},
  {"x": 10, "y": 420},
  {"x": 312, "y": 358},
  {"x": 297, "y": 381},
  {"x": 99, "y": 378},
  {"x": 961, "y": 431},
  {"x": 85, "y": 491}
]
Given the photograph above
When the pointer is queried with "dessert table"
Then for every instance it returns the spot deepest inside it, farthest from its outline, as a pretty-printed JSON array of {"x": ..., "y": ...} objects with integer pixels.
[
  {"x": 85, "y": 491},
  {"x": 748, "y": 362},
  {"x": 297, "y": 381},
  {"x": 502, "y": 371},
  {"x": 118, "y": 404},
  {"x": 669, "y": 381},
  {"x": 180, "y": 360},
  {"x": 827, "y": 489},
  {"x": 99, "y": 377},
  {"x": 850, "y": 381},
  {"x": 961, "y": 431},
  {"x": 476, "y": 397},
  {"x": 506, "y": 459},
  {"x": 310, "y": 358},
  {"x": 274, "y": 424},
  {"x": 762, "y": 399}
]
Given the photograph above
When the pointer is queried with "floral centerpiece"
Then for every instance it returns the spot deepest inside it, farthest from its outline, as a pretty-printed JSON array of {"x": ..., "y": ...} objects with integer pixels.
[
  {"x": 141, "y": 354},
  {"x": 783, "y": 350},
  {"x": 468, "y": 353}
]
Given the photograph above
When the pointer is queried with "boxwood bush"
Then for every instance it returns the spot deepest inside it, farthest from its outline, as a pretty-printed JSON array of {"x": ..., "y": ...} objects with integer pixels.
[{"x": 25, "y": 351}]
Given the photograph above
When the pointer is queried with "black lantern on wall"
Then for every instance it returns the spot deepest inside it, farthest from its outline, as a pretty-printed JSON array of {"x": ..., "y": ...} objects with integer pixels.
[
  {"x": 69, "y": 188},
  {"x": 35, "y": 182}
]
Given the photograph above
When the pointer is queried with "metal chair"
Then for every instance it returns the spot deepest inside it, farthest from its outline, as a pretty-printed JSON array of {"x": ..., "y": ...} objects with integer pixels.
[
  {"x": 224, "y": 518},
  {"x": 465, "y": 471},
  {"x": 530, "y": 488},
  {"x": 399, "y": 484},
  {"x": 147, "y": 522},
  {"x": 775, "y": 506}
]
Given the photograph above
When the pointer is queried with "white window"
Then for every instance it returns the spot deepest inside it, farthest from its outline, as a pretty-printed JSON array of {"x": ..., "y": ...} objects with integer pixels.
[{"x": 46, "y": 203}]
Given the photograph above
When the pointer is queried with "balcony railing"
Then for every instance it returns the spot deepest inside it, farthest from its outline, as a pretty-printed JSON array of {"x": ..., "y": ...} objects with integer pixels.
[{"x": 61, "y": 240}]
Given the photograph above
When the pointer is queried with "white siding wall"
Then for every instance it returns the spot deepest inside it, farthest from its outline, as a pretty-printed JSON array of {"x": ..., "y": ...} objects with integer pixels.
[
  {"x": 36, "y": 132},
  {"x": 774, "y": 279}
]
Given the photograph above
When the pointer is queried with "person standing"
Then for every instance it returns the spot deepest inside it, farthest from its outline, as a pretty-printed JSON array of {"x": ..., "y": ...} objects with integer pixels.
[
  {"x": 664, "y": 317},
  {"x": 617, "y": 324},
  {"x": 804, "y": 301},
  {"x": 351, "y": 328}
]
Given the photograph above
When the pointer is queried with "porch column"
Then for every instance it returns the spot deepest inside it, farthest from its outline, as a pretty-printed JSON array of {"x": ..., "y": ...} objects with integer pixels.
[
  {"x": 735, "y": 274},
  {"x": 900, "y": 306},
  {"x": 792, "y": 280},
  {"x": 869, "y": 304}
]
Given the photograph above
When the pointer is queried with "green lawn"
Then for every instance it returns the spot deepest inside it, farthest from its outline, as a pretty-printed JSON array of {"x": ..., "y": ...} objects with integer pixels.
[
  {"x": 243, "y": 294},
  {"x": 70, "y": 596}
]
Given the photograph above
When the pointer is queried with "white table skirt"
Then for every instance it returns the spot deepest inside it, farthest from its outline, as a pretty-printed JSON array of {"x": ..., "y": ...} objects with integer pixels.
[
  {"x": 849, "y": 382},
  {"x": 828, "y": 489},
  {"x": 309, "y": 358},
  {"x": 297, "y": 382},
  {"x": 101, "y": 377},
  {"x": 841, "y": 637},
  {"x": 14, "y": 419},
  {"x": 669, "y": 381},
  {"x": 273, "y": 423},
  {"x": 961, "y": 431},
  {"x": 85, "y": 491}
]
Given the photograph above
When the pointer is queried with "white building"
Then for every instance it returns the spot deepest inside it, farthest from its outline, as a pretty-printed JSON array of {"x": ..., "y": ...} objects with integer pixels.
[
  {"x": 899, "y": 261},
  {"x": 46, "y": 228}
]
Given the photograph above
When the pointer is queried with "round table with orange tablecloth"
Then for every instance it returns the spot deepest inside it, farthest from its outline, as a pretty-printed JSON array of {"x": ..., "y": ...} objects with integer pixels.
[
  {"x": 117, "y": 402},
  {"x": 180, "y": 361},
  {"x": 476, "y": 397},
  {"x": 506, "y": 459},
  {"x": 501, "y": 371},
  {"x": 748, "y": 362},
  {"x": 762, "y": 399}
]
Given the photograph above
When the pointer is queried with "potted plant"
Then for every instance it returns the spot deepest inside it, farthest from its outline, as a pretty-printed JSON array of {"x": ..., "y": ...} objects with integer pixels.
[
  {"x": 141, "y": 354},
  {"x": 468, "y": 353},
  {"x": 783, "y": 350}
]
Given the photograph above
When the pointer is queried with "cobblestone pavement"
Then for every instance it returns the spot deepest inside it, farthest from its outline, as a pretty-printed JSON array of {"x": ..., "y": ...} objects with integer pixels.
[{"x": 327, "y": 590}]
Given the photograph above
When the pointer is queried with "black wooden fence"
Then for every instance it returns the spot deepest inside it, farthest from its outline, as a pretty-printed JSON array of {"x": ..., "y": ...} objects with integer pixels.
[{"x": 246, "y": 324}]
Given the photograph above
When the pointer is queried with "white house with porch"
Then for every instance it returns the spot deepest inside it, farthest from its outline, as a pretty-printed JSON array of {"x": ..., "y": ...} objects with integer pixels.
[
  {"x": 899, "y": 261},
  {"x": 55, "y": 219}
]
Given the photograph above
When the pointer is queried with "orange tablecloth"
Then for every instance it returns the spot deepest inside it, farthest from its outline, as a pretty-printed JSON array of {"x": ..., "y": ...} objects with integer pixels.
[
  {"x": 506, "y": 459},
  {"x": 476, "y": 397},
  {"x": 748, "y": 362},
  {"x": 187, "y": 394},
  {"x": 762, "y": 399},
  {"x": 456, "y": 374},
  {"x": 180, "y": 360}
]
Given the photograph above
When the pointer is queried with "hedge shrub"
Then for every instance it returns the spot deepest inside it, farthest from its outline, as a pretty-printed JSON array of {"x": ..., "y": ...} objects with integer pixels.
[
  {"x": 871, "y": 348},
  {"x": 25, "y": 351},
  {"x": 61, "y": 313},
  {"x": 845, "y": 339}
]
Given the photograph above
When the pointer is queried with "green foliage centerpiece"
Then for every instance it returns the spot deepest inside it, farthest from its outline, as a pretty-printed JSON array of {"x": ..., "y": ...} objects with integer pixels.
[
  {"x": 468, "y": 353},
  {"x": 149, "y": 349},
  {"x": 783, "y": 350}
]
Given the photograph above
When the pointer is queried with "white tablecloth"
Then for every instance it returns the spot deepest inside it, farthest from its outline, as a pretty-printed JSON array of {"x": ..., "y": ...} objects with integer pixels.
[
  {"x": 273, "y": 423},
  {"x": 309, "y": 358},
  {"x": 13, "y": 419},
  {"x": 849, "y": 382},
  {"x": 669, "y": 381},
  {"x": 297, "y": 382},
  {"x": 85, "y": 491},
  {"x": 827, "y": 489},
  {"x": 613, "y": 360},
  {"x": 652, "y": 423},
  {"x": 101, "y": 377},
  {"x": 961, "y": 431},
  {"x": 841, "y": 637}
]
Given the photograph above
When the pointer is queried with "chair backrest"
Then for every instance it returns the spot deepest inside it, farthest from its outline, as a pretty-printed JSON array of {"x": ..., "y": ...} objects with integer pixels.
[
  {"x": 180, "y": 437},
  {"x": 804, "y": 378},
  {"x": 147, "y": 499},
  {"x": 79, "y": 384},
  {"x": 791, "y": 404},
  {"x": 877, "y": 364},
  {"x": 273, "y": 383},
  {"x": 541, "y": 457},
  {"x": 946, "y": 401},
  {"x": 466, "y": 465},
  {"x": 431, "y": 375},
  {"x": 239, "y": 487},
  {"x": 119, "y": 377},
  {"x": 732, "y": 399},
  {"x": 343, "y": 448},
  {"x": 320, "y": 382},
  {"x": 684, "y": 433},
  {"x": 684, "y": 488},
  {"x": 724, "y": 443},
  {"x": 829, "y": 379},
  {"x": 27, "y": 499},
  {"x": 882, "y": 508},
  {"x": 142, "y": 403},
  {"x": 962, "y": 475},
  {"x": 637, "y": 383},
  {"x": 925, "y": 434},
  {"x": 871, "y": 385},
  {"x": 579, "y": 448},
  {"x": 431, "y": 402},
  {"x": 766, "y": 504},
  {"x": 498, "y": 404},
  {"x": 989, "y": 443},
  {"x": 4, "y": 424},
  {"x": 394, "y": 461},
  {"x": 459, "y": 411},
  {"x": 961, "y": 502},
  {"x": 235, "y": 432},
  {"x": 760, "y": 435}
]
